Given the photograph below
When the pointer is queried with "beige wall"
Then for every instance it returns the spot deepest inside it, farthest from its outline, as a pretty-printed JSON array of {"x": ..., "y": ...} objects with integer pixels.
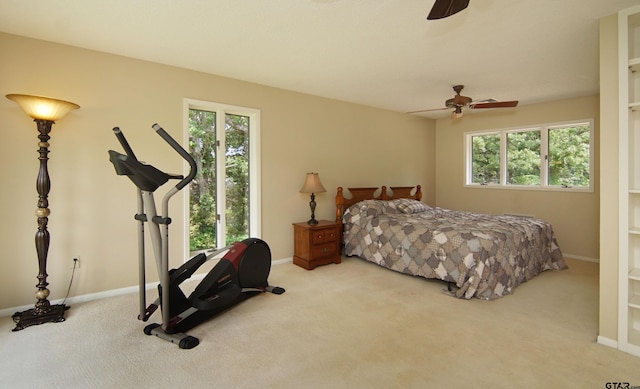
[
  {"x": 92, "y": 209},
  {"x": 609, "y": 172},
  {"x": 574, "y": 215}
]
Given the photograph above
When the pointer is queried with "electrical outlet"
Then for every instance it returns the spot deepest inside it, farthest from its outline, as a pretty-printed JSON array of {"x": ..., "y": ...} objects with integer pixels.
[{"x": 76, "y": 262}]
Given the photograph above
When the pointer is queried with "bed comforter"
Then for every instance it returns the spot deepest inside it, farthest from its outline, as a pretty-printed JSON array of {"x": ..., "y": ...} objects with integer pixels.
[{"x": 485, "y": 256}]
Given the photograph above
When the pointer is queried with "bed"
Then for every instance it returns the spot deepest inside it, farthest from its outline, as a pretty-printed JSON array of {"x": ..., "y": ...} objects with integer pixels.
[{"x": 480, "y": 256}]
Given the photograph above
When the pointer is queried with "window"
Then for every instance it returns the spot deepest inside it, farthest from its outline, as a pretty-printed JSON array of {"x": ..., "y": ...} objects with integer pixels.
[
  {"x": 523, "y": 158},
  {"x": 486, "y": 159},
  {"x": 223, "y": 199},
  {"x": 557, "y": 156}
]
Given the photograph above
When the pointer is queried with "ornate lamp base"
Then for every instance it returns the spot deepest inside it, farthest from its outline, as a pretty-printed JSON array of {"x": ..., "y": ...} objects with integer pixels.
[
  {"x": 312, "y": 205},
  {"x": 36, "y": 316}
]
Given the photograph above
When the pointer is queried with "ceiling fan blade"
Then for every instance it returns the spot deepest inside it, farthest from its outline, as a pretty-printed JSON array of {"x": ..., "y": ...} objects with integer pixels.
[
  {"x": 444, "y": 8},
  {"x": 428, "y": 110},
  {"x": 495, "y": 104}
]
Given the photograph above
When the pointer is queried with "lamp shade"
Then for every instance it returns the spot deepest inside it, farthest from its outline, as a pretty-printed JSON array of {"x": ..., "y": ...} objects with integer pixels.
[
  {"x": 43, "y": 108},
  {"x": 312, "y": 184}
]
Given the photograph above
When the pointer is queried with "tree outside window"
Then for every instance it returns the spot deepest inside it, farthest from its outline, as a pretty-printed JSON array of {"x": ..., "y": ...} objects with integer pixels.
[
  {"x": 485, "y": 159},
  {"x": 523, "y": 158},
  {"x": 569, "y": 152},
  {"x": 555, "y": 156},
  {"x": 213, "y": 199}
]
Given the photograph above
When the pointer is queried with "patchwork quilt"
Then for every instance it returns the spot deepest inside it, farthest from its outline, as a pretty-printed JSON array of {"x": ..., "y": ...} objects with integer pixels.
[{"x": 485, "y": 256}]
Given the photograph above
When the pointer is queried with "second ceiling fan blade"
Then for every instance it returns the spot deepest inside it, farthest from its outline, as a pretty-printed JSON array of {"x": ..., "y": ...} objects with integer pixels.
[
  {"x": 444, "y": 8},
  {"x": 495, "y": 104},
  {"x": 428, "y": 110}
]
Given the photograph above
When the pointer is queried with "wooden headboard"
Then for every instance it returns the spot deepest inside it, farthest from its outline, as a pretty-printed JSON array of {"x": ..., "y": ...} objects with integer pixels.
[{"x": 359, "y": 194}]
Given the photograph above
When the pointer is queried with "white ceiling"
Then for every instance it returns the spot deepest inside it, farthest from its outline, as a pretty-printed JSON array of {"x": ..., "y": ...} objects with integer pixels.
[{"x": 381, "y": 53}]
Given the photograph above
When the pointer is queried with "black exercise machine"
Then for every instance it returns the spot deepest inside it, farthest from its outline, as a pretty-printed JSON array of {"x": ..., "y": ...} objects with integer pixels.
[{"x": 241, "y": 273}]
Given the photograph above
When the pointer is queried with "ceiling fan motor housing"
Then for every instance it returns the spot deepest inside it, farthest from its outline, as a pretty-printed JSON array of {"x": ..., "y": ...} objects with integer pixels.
[{"x": 458, "y": 100}]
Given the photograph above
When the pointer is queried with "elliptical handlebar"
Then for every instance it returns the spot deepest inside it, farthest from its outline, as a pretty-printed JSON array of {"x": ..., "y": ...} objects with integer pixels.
[
  {"x": 124, "y": 143},
  {"x": 193, "y": 168}
]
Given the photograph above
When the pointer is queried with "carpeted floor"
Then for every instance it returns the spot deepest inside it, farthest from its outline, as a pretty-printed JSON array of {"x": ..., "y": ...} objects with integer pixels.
[{"x": 352, "y": 325}]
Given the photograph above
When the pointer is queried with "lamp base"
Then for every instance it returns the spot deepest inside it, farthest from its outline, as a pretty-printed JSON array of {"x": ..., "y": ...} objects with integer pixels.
[
  {"x": 312, "y": 222},
  {"x": 33, "y": 317}
]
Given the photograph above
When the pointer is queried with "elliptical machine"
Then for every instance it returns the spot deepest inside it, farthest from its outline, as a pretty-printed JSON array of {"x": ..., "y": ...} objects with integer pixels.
[{"x": 241, "y": 273}]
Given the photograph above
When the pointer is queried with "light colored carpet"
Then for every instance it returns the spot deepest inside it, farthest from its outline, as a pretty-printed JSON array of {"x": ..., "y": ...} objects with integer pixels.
[{"x": 352, "y": 325}]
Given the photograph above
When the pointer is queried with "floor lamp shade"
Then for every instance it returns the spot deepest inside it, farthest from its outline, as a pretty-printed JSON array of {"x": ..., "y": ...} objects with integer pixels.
[
  {"x": 43, "y": 108},
  {"x": 45, "y": 111},
  {"x": 312, "y": 185}
]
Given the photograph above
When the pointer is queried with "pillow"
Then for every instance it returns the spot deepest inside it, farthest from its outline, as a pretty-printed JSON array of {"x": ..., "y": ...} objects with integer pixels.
[
  {"x": 370, "y": 208},
  {"x": 390, "y": 207},
  {"x": 410, "y": 206}
]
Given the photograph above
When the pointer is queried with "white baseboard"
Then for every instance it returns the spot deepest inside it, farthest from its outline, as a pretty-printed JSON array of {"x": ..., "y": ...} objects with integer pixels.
[
  {"x": 282, "y": 261},
  {"x": 607, "y": 342},
  {"x": 633, "y": 350},
  {"x": 112, "y": 293},
  {"x": 581, "y": 258},
  {"x": 77, "y": 299}
]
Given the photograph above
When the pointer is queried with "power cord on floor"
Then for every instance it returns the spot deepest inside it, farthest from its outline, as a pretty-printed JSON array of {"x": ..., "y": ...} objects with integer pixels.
[{"x": 73, "y": 272}]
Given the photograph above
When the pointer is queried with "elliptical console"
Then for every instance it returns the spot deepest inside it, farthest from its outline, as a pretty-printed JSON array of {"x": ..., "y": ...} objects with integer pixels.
[{"x": 241, "y": 273}]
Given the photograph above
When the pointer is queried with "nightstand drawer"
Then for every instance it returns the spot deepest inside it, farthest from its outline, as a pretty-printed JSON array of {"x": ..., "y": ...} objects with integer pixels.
[
  {"x": 325, "y": 235},
  {"x": 324, "y": 250}
]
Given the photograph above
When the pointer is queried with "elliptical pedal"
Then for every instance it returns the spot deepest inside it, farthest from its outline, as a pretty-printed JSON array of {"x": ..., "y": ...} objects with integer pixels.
[
  {"x": 183, "y": 341},
  {"x": 275, "y": 289}
]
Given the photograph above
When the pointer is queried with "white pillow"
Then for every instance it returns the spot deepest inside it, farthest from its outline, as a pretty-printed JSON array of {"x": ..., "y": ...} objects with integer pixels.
[{"x": 410, "y": 206}]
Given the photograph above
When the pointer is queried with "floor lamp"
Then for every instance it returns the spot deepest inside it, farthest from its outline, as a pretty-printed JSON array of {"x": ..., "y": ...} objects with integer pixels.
[{"x": 45, "y": 112}]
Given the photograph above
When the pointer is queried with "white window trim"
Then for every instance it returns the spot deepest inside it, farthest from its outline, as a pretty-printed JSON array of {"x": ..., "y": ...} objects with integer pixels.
[
  {"x": 255, "y": 201},
  {"x": 544, "y": 146}
]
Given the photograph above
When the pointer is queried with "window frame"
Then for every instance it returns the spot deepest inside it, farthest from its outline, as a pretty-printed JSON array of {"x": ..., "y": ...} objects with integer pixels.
[
  {"x": 544, "y": 160},
  {"x": 255, "y": 211}
]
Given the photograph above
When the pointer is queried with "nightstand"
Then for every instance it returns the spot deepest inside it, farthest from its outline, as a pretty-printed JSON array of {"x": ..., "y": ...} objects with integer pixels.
[{"x": 317, "y": 244}]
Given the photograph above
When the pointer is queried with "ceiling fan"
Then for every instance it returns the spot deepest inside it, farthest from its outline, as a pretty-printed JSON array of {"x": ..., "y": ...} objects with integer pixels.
[
  {"x": 458, "y": 102},
  {"x": 444, "y": 8}
]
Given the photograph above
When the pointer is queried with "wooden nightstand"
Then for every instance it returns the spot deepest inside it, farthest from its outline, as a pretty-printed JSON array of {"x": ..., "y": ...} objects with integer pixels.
[{"x": 316, "y": 245}]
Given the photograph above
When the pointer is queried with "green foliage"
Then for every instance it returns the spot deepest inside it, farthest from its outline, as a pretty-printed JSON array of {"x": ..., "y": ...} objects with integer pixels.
[
  {"x": 237, "y": 177},
  {"x": 202, "y": 229},
  {"x": 486, "y": 159},
  {"x": 569, "y": 157},
  {"x": 202, "y": 198},
  {"x": 202, "y": 203},
  {"x": 523, "y": 158}
]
